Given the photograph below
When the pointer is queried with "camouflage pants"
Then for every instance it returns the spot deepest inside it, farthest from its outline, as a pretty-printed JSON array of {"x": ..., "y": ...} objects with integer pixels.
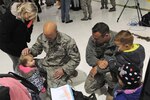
[
  {"x": 92, "y": 84},
  {"x": 104, "y": 3},
  {"x": 113, "y": 3},
  {"x": 86, "y": 7},
  {"x": 51, "y": 81}
]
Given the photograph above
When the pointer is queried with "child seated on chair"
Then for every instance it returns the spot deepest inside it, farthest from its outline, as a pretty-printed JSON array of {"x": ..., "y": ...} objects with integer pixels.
[
  {"x": 29, "y": 71},
  {"x": 129, "y": 78}
]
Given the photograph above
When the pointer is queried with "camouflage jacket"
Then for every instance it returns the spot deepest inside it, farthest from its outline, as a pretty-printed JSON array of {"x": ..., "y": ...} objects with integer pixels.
[
  {"x": 95, "y": 52},
  {"x": 63, "y": 52}
]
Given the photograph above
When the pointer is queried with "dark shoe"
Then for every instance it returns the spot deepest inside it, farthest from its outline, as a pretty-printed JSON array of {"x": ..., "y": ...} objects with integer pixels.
[
  {"x": 74, "y": 74},
  {"x": 84, "y": 19},
  {"x": 102, "y": 7},
  {"x": 69, "y": 21},
  {"x": 38, "y": 19},
  {"x": 112, "y": 9},
  {"x": 106, "y": 7},
  {"x": 62, "y": 21},
  {"x": 39, "y": 10},
  {"x": 89, "y": 18}
]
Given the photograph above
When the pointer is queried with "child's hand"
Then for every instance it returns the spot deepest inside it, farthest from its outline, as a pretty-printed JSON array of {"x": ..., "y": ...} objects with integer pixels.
[{"x": 102, "y": 64}]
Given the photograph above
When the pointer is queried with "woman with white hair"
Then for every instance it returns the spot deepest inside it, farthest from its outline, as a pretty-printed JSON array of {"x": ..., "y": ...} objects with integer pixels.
[{"x": 16, "y": 28}]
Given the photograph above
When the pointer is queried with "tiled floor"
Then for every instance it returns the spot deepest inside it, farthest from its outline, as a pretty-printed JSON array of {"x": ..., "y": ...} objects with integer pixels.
[{"x": 81, "y": 31}]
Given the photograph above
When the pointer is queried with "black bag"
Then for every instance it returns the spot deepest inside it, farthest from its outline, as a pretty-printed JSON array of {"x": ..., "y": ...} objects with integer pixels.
[
  {"x": 4, "y": 93},
  {"x": 145, "y": 20},
  {"x": 79, "y": 96}
]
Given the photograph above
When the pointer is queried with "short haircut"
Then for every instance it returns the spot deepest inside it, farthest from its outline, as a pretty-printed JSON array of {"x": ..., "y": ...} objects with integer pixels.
[
  {"x": 124, "y": 37},
  {"x": 24, "y": 58},
  {"x": 101, "y": 28}
]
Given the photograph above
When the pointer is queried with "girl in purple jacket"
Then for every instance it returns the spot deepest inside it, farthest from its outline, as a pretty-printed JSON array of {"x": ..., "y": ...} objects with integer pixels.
[{"x": 129, "y": 78}]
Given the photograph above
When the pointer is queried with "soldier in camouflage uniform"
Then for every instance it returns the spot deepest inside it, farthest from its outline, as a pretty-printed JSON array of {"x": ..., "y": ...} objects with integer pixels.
[
  {"x": 87, "y": 9},
  {"x": 99, "y": 51},
  {"x": 62, "y": 55}
]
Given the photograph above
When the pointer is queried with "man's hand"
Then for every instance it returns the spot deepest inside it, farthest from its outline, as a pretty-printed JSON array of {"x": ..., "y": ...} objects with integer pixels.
[
  {"x": 25, "y": 51},
  {"x": 93, "y": 71},
  {"x": 58, "y": 73},
  {"x": 102, "y": 64}
]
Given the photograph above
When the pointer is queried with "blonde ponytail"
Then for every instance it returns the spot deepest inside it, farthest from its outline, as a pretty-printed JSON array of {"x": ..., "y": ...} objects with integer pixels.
[{"x": 27, "y": 7}]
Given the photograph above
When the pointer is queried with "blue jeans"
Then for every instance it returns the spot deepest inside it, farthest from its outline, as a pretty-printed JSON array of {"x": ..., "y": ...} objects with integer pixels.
[{"x": 65, "y": 7}]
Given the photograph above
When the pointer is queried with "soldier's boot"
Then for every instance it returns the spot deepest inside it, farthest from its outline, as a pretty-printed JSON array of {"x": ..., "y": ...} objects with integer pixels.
[
  {"x": 85, "y": 18},
  {"x": 112, "y": 9},
  {"x": 89, "y": 17},
  {"x": 106, "y": 7},
  {"x": 102, "y": 7}
]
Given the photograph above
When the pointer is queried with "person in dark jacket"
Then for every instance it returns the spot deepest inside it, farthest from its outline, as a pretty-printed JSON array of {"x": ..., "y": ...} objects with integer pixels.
[
  {"x": 126, "y": 52},
  {"x": 129, "y": 77},
  {"x": 16, "y": 29}
]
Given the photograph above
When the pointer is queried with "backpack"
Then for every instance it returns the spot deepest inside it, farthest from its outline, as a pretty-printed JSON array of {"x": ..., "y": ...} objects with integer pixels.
[
  {"x": 4, "y": 91},
  {"x": 145, "y": 21}
]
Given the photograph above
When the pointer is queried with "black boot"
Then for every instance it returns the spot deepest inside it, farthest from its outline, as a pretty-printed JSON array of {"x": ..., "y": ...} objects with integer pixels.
[
  {"x": 102, "y": 7},
  {"x": 112, "y": 9},
  {"x": 84, "y": 19},
  {"x": 106, "y": 7},
  {"x": 38, "y": 18},
  {"x": 89, "y": 17}
]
